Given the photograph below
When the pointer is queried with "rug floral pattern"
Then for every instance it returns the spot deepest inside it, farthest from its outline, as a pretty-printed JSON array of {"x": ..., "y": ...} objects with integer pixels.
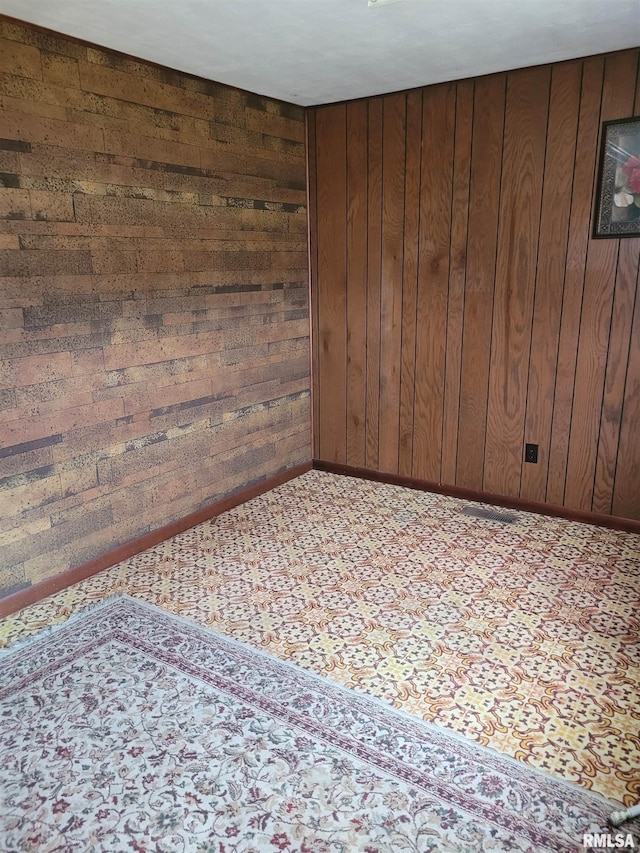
[
  {"x": 130, "y": 729},
  {"x": 522, "y": 637}
]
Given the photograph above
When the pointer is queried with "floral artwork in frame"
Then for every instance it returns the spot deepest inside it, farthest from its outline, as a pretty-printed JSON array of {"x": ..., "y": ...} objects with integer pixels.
[{"x": 618, "y": 196}]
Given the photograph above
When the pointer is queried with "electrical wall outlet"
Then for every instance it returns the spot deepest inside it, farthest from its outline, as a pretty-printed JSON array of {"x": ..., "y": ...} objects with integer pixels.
[{"x": 531, "y": 453}]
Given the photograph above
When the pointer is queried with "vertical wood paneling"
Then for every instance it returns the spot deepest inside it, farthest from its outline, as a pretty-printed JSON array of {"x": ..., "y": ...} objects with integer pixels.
[
  {"x": 312, "y": 178},
  {"x": 331, "y": 189},
  {"x": 614, "y": 385},
  {"x": 618, "y": 97},
  {"x": 550, "y": 270},
  {"x": 356, "y": 282},
  {"x": 393, "y": 179},
  {"x": 374, "y": 248},
  {"x": 626, "y": 492},
  {"x": 521, "y": 194},
  {"x": 484, "y": 200},
  {"x": 457, "y": 277},
  {"x": 410, "y": 279},
  {"x": 438, "y": 118},
  {"x": 579, "y": 225},
  {"x": 491, "y": 318}
]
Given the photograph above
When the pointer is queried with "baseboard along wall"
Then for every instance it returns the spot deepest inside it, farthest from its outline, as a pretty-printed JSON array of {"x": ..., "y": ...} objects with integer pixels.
[
  {"x": 33, "y": 594},
  {"x": 628, "y": 525}
]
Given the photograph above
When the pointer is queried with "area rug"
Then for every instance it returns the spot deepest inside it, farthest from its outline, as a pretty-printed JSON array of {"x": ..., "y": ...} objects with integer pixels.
[{"x": 130, "y": 729}]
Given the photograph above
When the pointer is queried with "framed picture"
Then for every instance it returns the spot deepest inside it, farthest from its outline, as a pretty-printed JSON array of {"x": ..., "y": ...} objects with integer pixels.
[{"x": 618, "y": 193}]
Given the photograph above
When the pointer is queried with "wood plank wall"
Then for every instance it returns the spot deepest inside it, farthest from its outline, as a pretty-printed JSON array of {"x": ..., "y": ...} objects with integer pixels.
[
  {"x": 154, "y": 317},
  {"x": 461, "y": 307}
]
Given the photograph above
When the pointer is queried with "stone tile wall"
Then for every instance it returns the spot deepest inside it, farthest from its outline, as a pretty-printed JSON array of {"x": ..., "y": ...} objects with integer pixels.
[{"x": 154, "y": 319}]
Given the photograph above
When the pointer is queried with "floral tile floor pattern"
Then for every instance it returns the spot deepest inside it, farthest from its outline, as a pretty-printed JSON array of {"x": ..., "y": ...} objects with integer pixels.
[{"x": 523, "y": 637}]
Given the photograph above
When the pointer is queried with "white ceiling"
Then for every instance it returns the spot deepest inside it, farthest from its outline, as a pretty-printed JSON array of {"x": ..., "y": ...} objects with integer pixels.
[{"x": 319, "y": 51}]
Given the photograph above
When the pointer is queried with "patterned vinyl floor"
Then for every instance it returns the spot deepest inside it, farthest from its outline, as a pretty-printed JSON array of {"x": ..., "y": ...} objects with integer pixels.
[{"x": 525, "y": 637}]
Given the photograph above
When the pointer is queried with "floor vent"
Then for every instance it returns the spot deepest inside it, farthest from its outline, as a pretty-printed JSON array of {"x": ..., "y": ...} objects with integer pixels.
[{"x": 489, "y": 514}]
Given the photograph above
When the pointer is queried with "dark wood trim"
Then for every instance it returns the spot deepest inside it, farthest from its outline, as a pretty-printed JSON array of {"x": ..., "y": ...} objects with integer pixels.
[
  {"x": 311, "y": 267},
  {"x": 47, "y": 587},
  {"x": 628, "y": 525}
]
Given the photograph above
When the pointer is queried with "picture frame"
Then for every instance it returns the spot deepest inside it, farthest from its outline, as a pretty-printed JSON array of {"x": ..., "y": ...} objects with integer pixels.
[{"x": 617, "y": 212}]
